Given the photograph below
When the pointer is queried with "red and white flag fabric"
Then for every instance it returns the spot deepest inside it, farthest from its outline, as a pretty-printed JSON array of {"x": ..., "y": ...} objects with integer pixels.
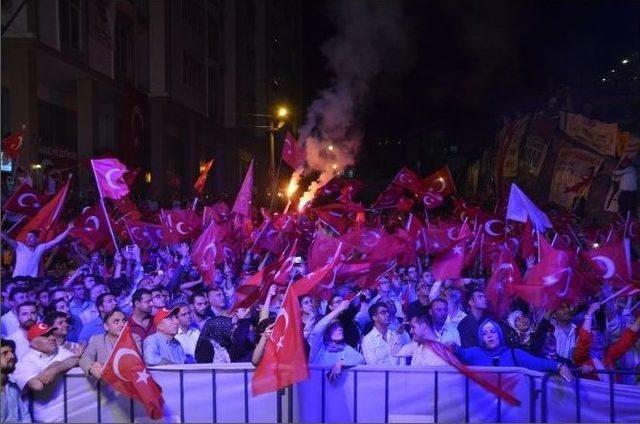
[
  {"x": 293, "y": 154},
  {"x": 284, "y": 361},
  {"x": 202, "y": 178},
  {"x": 432, "y": 199},
  {"x": 449, "y": 263},
  {"x": 144, "y": 234},
  {"x": 109, "y": 177},
  {"x": 25, "y": 201},
  {"x": 499, "y": 289},
  {"x": 44, "y": 221},
  {"x": 408, "y": 179},
  {"x": 90, "y": 228},
  {"x": 391, "y": 197},
  {"x": 334, "y": 216},
  {"x": 612, "y": 260},
  {"x": 12, "y": 143},
  {"x": 218, "y": 212},
  {"x": 179, "y": 224},
  {"x": 440, "y": 182},
  {"x": 126, "y": 372},
  {"x": 242, "y": 205},
  {"x": 520, "y": 208}
]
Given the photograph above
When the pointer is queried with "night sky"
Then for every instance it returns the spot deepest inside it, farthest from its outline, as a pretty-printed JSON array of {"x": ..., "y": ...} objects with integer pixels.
[{"x": 471, "y": 62}]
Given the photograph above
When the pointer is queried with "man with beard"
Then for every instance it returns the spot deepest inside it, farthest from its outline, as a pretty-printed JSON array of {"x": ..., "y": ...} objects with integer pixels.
[
  {"x": 27, "y": 316},
  {"x": 200, "y": 307},
  {"x": 140, "y": 321},
  {"x": 13, "y": 408}
]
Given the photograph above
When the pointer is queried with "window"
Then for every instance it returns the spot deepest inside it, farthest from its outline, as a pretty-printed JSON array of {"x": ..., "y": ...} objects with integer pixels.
[
  {"x": 123, "y": 53},
  {"x": 192, "y": 72},
  {"x": 57, "y": 126},
  {"x": 70, "y": 12}
]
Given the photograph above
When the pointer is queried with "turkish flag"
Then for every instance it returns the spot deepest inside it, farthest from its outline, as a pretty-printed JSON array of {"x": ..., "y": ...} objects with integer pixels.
[
  {"x": 179, "y": 224},
  {"x": 206, "y": 251},
  {"x": 633, "y": 230},
  {"x": 292, "y": 152},
  {"x": 144, "y": 234},
  {"x": 494, "y": 228},
  {"x": 90, "y": 228},
  {"x": 389, "y": 198},
  {"x": 109, "y": 177},
  {"x": 242, "y": 204},
  {"x": 440, "y": 182},
  {"x": 432, "y": 200},
  {"x": 408, "y": 179},
  {"x": 284, "y": 361},
  {"x": 46, "y": 218},
  {"x": 449, "y": 263},
  {"x": 499, "y": 289},
  {"x": 335, "y": 216},
  {"x": 25, "y": 201},
  {"x": 217, "y": 212},
  {"x": 269, "y": 238},
  {"x": 611, "y": 260},
  {"x": 528, "y": 242},
  {"x": 202, "y": 178},
  {"x": 12, "y": 143},
  {"x": 126, "y": 373}
]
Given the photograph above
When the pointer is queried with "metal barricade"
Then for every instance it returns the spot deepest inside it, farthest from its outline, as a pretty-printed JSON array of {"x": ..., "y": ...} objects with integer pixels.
[{"x": 578, "y": 404}]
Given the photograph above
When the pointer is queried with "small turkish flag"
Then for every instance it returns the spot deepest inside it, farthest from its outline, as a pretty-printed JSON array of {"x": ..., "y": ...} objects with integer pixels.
[
  {"x": 25, "y": 201},
  {"x": 440, "y": 182},
  {"x": 449, "y": 263},
  {"x": 126, "y": 373},
  {"x": 293, "y": 154},
  {"x": 179, "y": 224},
  {"x": 499, "y": 288},
  {"x": 109, "y": 177},
  {"x": 408, "y": 179},
  {"x": 12, "y": 143},
  {"x": 90, "y": 228},
  {"x": 610, "y": 260},
  {"x": 144, "y": 234},
  {"x": 202, "y": 179}
]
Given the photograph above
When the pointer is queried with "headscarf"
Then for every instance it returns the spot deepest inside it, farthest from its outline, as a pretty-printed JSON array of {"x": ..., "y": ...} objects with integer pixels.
[
  {"x": 221, "y": 330},
  {"x": 501, "y": 343}
]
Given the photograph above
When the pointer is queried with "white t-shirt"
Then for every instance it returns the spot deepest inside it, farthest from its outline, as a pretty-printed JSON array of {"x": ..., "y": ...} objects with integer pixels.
[
  {"x": 22, "y": 344},
  {"x": 48, "y": 404},
  {"x": 27, "y": 260},
  {"x": 421, "y": 355}
]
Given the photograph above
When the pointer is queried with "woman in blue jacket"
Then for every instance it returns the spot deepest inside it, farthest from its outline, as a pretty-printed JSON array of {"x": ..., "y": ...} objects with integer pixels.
[{"x": 494, "y": 352}]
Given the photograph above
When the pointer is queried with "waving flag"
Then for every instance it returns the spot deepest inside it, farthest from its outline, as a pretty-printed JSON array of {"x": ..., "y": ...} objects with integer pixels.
[
  {"x": 206, "y": 251},
  {"x": 202, "y": 178},
  {"x": 90, "y": 228},
  {"x": 144, "y": 234},
  {"x": 293, "y": 154},
  {"x": 520, "y": 208},
  {"x": 611, "y": 260},
  {"x": 126, "y": 373},
  {"x": 440, "y": 182},
  {"x": 12, "y": 143},
  {"x": 46, "y": 217},
  {"x": 500, "y": 286},
  {"x": 109, "y": 177},
  {"x": 25, "y": 201},
  {"x": 408, "y": 179},
  {"x": 179, "y": 225},
  {"x": 242, "y": 205}
]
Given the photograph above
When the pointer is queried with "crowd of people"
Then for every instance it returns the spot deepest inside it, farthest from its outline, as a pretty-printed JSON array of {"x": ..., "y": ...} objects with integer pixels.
[{"x": 52, "y": 323}]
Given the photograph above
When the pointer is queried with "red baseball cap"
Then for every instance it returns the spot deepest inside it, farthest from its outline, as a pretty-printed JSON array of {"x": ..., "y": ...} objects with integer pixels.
[
  {"x": 164, "y": 313},
  {"x": 40, "y": 329}
]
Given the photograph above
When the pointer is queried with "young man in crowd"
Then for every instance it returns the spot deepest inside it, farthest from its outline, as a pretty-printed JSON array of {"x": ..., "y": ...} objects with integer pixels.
[
  {"x": 381, "y": 343},
  {"x": 141, "y": 321},
  {"x": 17, "y": 296},
  {"x": 200, "y": 307},
  {"x": 14, "y": 407},
  {"x": 188, "y": 333},
  {"x": 105, "y": 303},
  {"x": 217, "y": 302},
  {"x": 444, "y": 332},
  {"x": 27, "y": 316},
  {"x": 29, "y": 254}
]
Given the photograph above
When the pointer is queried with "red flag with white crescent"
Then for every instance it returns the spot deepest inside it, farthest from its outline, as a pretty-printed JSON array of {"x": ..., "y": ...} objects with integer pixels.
[
  {"x": 25, "y": 201},
  {"x": 12, "y": 143},
  {"x": 179, "y": 224},
  {"x": 46, "y": 218},
  {"x": 440, "y": 182},
  {"x": 293, "y": 154},
  {"x": 109, "y": 175},
  {"x": 90, "y": 228},
  {"x": 408, "y": 179},
  {"x": 126, "y": 372}
]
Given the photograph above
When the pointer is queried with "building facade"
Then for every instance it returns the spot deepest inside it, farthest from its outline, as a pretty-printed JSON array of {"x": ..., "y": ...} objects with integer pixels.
[{"x": 164, "y": 85}]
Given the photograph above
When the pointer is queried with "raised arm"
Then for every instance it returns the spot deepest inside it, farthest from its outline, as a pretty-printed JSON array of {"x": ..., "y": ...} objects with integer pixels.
[{"x": 50, "y": 244}]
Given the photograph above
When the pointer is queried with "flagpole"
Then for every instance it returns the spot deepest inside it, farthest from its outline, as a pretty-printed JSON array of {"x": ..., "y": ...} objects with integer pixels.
[
  {"x": 538, "y": 235},
  {"x": 626, "y": 224},
  {"x": 104, "y": 209}
]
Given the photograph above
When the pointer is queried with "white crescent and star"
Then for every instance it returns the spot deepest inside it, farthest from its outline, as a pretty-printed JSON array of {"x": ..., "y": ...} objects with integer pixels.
[
  {"x": 96, "y": 223},
  {"x": 121, "y": 353},
  {"x": 371, "y": 238},
  {"x": 23, "y": 197},
  {"x": 488, "y": 227},
  {"x": 112, "y": 182},
  {"x": 607, "y": 264},
  {"x": 180, "y": 227}
]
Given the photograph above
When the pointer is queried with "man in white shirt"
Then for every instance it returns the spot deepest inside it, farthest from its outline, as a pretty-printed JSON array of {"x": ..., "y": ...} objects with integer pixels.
[
  {"x": 444, "y": 332},
  {"x": 628, "y": 177},
  {"x": 28, "y": 255},
  {"x": 565, "y": 332},
  {"x": 27, "y": 316},
  {"x": 381, "y": 343},
  {"x": 419, "y": 349},
  {"x": 187, "y": 332},
  {"x": 17, "y": 296},
  {"x": 40, "y": 371}
]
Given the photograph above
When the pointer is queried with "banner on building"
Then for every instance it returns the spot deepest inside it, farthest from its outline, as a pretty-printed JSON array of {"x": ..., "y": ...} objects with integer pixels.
[
  {"x": 596, "y": 135},
  {"x": 536, "y": 143},
  {"x": 627, "y": 145},
  {"x": 572, "y": 176},
  {"x": 509, "y": 140}
]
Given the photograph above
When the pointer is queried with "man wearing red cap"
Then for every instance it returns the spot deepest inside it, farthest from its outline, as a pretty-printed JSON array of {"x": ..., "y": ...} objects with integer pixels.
[
  {"x": 40, "y": 370},
  {"x": 162, "y": 348}
]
